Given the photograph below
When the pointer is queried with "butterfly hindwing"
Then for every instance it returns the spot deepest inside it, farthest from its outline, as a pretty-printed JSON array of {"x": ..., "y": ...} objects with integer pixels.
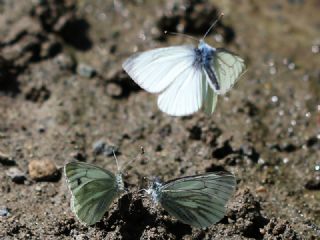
[
  {"x": 93, "y": 190},
  {"x": 227, "y": 67},
  {"x": 198, "y": 200},
  {"x": 210, "y": 97}
]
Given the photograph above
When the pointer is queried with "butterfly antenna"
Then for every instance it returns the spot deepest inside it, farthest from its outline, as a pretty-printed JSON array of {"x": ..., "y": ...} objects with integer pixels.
[
  {"x": 133, "y": 160},
  {"x": 181, "y": 34},
  {"x": 143, "y": 190},
  {"x": 213, "y": 24},
  {"x": 115, "y": 157}
]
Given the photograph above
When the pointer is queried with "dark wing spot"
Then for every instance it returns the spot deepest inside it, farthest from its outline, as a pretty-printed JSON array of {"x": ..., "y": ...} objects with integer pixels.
[{"x": 79, "y": 181}]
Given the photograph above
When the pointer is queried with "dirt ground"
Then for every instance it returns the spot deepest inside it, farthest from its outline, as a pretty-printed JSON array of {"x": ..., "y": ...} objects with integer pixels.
[{"x": 64, "y": 96}]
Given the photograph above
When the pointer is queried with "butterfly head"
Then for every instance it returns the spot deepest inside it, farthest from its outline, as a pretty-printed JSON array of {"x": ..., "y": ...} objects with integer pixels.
[{"x": 154, "y": 189}]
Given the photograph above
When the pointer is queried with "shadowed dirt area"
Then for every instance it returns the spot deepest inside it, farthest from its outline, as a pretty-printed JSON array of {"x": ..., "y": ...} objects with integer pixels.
[{"x": 64, "y": 97}]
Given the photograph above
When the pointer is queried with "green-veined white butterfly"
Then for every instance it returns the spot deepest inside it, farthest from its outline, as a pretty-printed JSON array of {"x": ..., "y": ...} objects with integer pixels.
[
  {"x": 93, "y": 189},
  {"x": 195, "y": 200},
  {"x": 186, "y": 77}
]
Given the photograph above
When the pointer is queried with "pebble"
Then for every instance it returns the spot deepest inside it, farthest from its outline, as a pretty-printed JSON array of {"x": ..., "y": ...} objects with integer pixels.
[
  {"x": 85, "y": 70},
  {"x": 98, "y": 147},
  {"x": 16, "y": 175},
  {"x": 42, "y": 170},
  {"x": 4, "y": 212},
  {"x": 65, "y": 62},
  {"x": 6, "y": 160},
  {"x": 101, "y": 147},
  {"x": 114, "y": 90},
  {"x": 108, "y": 151},
  {"x": 313, "y": 184}
]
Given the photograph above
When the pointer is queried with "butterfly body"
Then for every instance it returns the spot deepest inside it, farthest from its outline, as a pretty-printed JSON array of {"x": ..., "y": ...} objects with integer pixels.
[
  {"x": 119, "y": 183},
  {"x": 185, "y": 77},
  {"x": 203, "y": 59}
]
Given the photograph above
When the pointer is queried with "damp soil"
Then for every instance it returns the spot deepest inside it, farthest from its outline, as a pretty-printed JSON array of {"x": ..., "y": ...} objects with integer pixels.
[{"x": 64, "y": 97}]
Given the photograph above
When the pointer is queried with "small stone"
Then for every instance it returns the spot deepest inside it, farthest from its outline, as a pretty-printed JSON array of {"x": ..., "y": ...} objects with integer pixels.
[
  {"x": 43, "y": 170},
  {"x": 78, "y": 156},
  {"x": 16, "y": 175},
  {"x": 6, "y": 160},
  {"x": 85, "y": 70},
  {"x": 101, "y": 147},
  {"x": 98, "y": 147},
  {"x": 114, "y": 90},
  {"x": 313, "y": 184},
  {"x": 261, "y": 189},
  {"x": 4, "y": 211},
  {"x": 109, "y": 150},
  {"x": 65, "y": 62}
]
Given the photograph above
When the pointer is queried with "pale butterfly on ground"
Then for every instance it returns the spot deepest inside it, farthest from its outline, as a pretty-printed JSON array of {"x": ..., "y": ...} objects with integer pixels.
[
  {"x": 195, "y": 200},
  {"x": 186, "y": 77},
  {"x": 93, "y": 190}
]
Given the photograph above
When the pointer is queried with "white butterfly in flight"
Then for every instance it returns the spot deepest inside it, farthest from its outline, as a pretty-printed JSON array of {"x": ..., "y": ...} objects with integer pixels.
[{"x": 185, "y": 77}]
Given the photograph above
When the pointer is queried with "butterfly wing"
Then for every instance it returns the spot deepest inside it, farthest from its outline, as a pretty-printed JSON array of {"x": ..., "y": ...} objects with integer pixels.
[
  {"x": 198, "y": 200},
  {"x": 185, "y": 95},
  {"x": 227, "y": 68},
  {"x": 156, "y": 69},
  {"x": 210, "y": 97},
  {"x": 93, "y": 189}
]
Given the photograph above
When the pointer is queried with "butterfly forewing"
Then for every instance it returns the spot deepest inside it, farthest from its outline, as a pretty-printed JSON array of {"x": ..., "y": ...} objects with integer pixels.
[
  {"x": 227, "y": 68},
  {"x": 93, "y": 189},
  {"x": 185, "y": 95},
  {"x": 156, "y": 69},
  {"x": 198, "y": 200}
]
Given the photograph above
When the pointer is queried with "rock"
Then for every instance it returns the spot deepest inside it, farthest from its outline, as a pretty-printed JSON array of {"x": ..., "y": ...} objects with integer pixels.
[
  {"x": 98, "y": 147},
  {"x": 78, "y": 156},
  {"x": 85, "y": 70},
  {"x": 43, "y": 170},
  {"x": 6, "y": 160},
  {"x": 65, "y": 62},
  {"x": 279, "y": 229},
  {"x": 109, "y": 150},
  {"x": 16, "y": 175},
  {"x": 4, "y": 211},
  {"x": 101, "y": 147},
  {"x": 313, "y": 183},
  {"x": 114, "y": 90}
]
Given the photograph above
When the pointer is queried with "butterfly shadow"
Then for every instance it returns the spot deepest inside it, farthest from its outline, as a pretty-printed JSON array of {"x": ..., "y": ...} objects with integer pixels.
[
  {"x": 119, "y": 85},
  {"x": 131, "y": 217},
  {"x": 178, "y": 229}
]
